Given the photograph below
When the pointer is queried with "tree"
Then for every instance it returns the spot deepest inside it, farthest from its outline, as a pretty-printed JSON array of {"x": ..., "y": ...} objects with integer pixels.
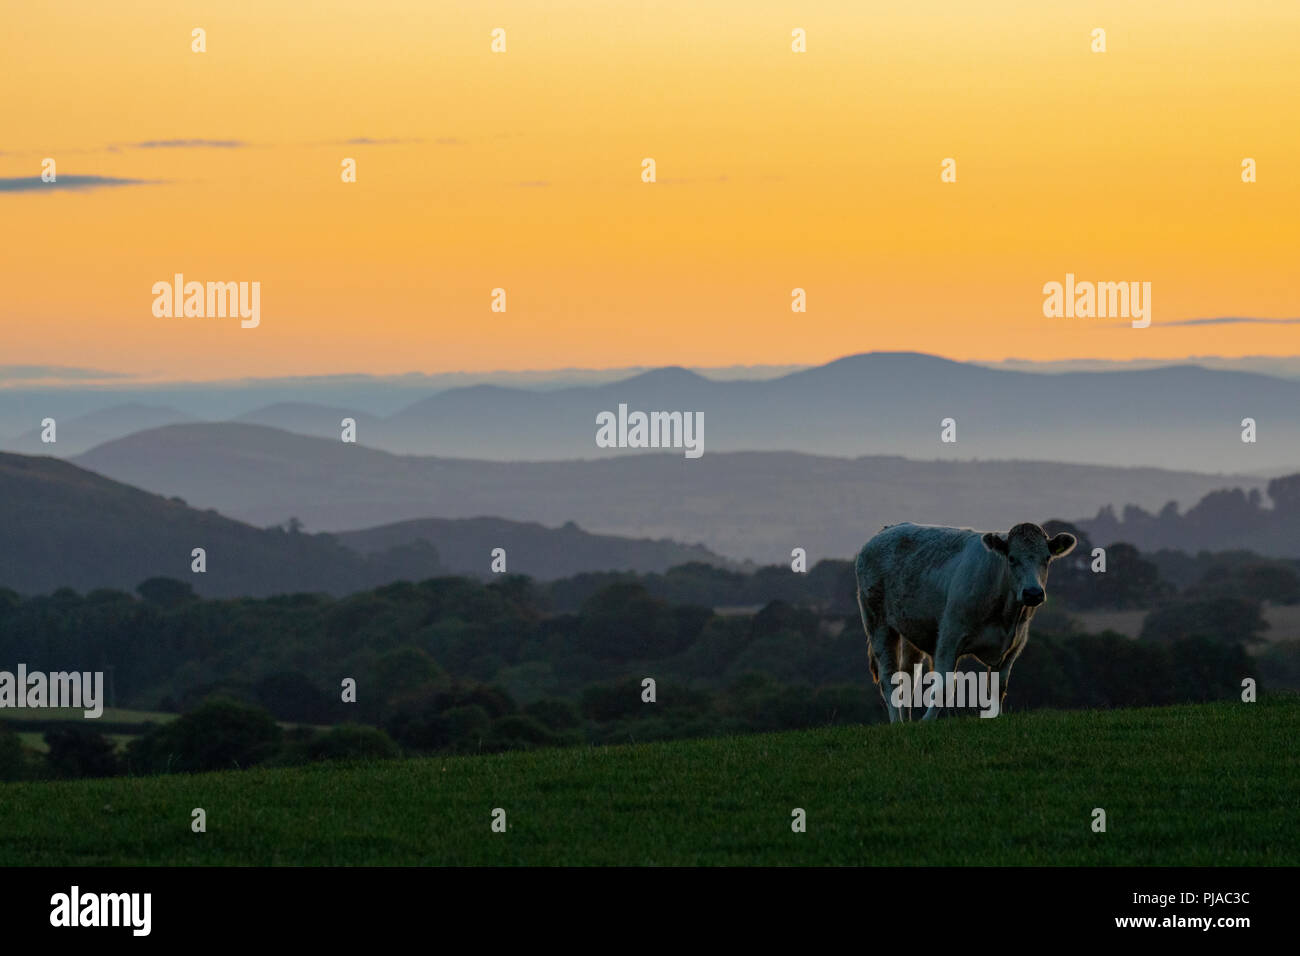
[
  {"x": 291, "y": 696},
  {"x": 80, "y": 752},
  {"x": 1285, "y": 493},
  {"x": 1228, "y": 619},
  {"x": 624, "y": 622},
  {"x": 165, "y": 592},
  {"x": 555, "y": 714},
  {"x": 13, "y": 762},
  {"x": 353, "y": 742},
  {"x": 219, "y": 735}
]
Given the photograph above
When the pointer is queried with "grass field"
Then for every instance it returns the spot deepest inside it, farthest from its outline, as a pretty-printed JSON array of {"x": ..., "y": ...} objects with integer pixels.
[
  {"x": 1283, "y": 622},
  {"x": 115, "y": 717},
  {"x": 1192, "y": 785},
  {"x": 111, "y": 715}
]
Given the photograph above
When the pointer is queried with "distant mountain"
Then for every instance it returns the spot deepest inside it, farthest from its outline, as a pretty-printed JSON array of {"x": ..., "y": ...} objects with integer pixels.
[
  {"x": 64, "y": 526},
  {"x": 75, "y": 434},
  {"x": 745, "y": 505},
  {"x": 305, "y": 418},
  {"x": 465, "y": 547},
  {"x": 1183, "y": 417},
  {"x": 67, "y": 527},
  {"x": 1282, "y": 366}
]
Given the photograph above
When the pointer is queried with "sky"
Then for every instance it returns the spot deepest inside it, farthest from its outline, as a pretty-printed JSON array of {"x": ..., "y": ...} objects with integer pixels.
[{"x": 522, "y": 170}]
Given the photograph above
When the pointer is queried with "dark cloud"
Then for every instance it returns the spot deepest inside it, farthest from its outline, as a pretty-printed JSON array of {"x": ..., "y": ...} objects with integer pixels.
[
  {"x": 1232, "y": 320},
  {"x": 20, "y": 184},
  {"x": 368, "y": 141},
  {"x": 190, "y": 144}
]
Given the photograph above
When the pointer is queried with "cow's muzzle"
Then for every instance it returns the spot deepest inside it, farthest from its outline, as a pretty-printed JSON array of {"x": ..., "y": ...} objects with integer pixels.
[{"x": 1032, "y": 597}]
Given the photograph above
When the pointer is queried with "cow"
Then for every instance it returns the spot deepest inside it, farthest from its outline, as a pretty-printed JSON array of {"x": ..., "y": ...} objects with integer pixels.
[{"x": 927, "y": 591}]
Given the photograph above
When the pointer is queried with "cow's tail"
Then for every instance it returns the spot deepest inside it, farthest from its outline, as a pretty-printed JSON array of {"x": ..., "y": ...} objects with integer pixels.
[{"x": 860, "y": 572}]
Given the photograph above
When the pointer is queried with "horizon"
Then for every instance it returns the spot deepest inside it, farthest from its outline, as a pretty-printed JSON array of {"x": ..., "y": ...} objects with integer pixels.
[{"x": 103, "y": 380}]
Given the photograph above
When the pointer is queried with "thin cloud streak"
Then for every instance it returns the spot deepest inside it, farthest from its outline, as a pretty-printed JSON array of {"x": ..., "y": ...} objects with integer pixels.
[
  {"x": 22, "y": 184},
  {"x": 1232, "y": 320},
  {"x": 190, "y": 144}
]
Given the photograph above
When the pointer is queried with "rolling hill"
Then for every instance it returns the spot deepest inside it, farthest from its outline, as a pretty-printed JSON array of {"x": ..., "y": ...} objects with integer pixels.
[
  {"x": 1200, "y": 785},
  {"x": 77, "y": 433},
  {"x": 68, "y": 527},
  {"x": 1182, "y": 417},
  {"x": 465, "y": 545},
  {"x": 745, "y": 505}
]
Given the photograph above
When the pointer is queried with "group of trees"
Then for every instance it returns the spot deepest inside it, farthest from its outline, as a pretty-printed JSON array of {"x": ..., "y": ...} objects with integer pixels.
[
  {"x": 1223, "y": 520},
  {"x": 453, "y": 664},
  {"x": 458, "y": 665}
]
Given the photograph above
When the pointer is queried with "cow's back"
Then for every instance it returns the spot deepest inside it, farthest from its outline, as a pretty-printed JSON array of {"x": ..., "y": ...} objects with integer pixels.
[{"x": 907, "y": 574}]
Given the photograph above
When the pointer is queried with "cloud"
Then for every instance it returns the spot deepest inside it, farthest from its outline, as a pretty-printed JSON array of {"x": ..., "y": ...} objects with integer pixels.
[
  {"x": 1232, "y": 320},
  {"x": 20, "y": 184},
  {"x": 29, "y": 372},
  {"x": 368, "y": 141},
  {"x": 190, "y": 144},
  {"x": 687, "y": 181}
]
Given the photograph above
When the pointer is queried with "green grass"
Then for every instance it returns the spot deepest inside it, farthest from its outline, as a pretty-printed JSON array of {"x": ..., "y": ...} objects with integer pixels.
[
  {"x": 112, "y": 715},
  {"x": 1211, "y": 784},
  {"x": 35, "y": 742}
]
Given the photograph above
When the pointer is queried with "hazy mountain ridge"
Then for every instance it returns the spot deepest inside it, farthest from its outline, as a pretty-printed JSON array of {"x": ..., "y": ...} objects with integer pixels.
[
  {"x": 1179, "y": 416},
  {"x": 742, "y": 505},
  {"x": 68, "y": 527},
  {"x": 465, "y": 546}
]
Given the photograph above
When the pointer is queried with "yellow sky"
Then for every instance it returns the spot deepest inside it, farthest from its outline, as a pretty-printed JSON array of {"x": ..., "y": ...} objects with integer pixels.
[{"x": 522, "y": 170}]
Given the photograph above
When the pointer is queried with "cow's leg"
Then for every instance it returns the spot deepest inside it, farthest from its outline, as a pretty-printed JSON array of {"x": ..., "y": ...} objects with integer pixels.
[
  {"x": 946, "y": 651},
  {"x": 909, "y": 655},
  {"x": 1004, "y": 677},
  {"x": 884, "y": 645}
]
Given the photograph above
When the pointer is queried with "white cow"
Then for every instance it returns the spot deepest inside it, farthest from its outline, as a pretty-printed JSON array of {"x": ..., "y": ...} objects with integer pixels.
[{"x": 942, "y": 593}]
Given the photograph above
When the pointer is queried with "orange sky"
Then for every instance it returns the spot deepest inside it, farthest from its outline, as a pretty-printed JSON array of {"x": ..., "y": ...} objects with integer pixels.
[{"x": 522, "y": 170}]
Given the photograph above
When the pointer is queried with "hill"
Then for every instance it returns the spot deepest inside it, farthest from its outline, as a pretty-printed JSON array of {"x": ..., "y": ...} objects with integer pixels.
[
  {"x": 67, "y": 527},
  {"x": 887, "y": 403},
  {"x": 1183, "y": 417},
  {"x": 743, "y": 505},
  {"x": 78, "y": 433},
  {"x": 1204, "y": 785},
  {"x": 465, "y": 546},
  {"x": 891, "y": 403}
]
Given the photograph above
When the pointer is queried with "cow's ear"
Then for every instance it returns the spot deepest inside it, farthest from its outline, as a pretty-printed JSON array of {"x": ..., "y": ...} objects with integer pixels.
[
  {"x": 1062, "y": 544},
  {"x": 995, "y": 542}
]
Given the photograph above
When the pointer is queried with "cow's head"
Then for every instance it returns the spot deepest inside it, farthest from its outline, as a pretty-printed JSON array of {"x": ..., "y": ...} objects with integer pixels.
[{"x": 1028, "y": 552}]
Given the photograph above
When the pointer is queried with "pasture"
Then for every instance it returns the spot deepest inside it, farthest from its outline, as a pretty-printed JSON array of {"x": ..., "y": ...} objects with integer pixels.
[{"x": 1195, "y": 785}]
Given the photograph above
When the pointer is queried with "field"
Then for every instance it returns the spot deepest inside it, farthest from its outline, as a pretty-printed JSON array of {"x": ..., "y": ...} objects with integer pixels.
[
  {"x": 118, "y": 725},
  {"x": 1283, "y": 622},
  {"x": 1210, "y": 784}
]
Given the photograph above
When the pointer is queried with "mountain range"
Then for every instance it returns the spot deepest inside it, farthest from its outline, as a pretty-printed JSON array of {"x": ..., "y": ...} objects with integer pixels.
[
  {"x": 1182, "y": 417},
  {"x": 754, "y": 506},
  {"x": 68, "y": 527}
]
